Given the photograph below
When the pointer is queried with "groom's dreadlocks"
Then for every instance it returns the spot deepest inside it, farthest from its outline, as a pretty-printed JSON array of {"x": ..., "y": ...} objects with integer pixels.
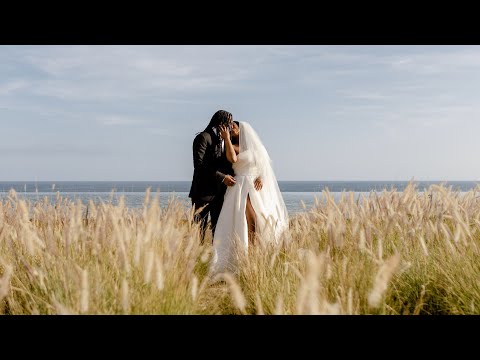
[{"x": 219, "y": 118}]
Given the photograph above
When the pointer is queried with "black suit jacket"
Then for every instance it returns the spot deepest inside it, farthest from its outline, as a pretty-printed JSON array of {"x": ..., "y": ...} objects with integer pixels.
[{"x": 210, "y": 167}]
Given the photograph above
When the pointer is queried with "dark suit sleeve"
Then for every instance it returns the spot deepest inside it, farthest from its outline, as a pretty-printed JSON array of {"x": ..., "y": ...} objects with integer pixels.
[{"x": 199, "y": 148}]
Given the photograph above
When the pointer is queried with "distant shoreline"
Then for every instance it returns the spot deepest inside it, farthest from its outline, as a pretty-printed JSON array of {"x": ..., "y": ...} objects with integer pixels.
[
  {"x": 184, "y": 186},
  {"x": 181, "y": 181}
]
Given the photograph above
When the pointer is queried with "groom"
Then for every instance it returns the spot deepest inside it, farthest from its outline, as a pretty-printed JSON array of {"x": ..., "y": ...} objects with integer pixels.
[{"x": 212, "y": 171}]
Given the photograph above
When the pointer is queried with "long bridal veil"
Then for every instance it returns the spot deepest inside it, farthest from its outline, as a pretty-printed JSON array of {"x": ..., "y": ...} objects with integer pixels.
[{"x": 273, "y": 219}]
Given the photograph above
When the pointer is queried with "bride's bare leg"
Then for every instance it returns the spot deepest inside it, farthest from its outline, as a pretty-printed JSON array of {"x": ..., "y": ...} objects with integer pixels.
[{"x": 251, "y": 221}]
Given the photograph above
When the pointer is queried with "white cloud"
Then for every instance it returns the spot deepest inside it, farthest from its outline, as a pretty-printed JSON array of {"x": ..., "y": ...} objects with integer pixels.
[
  {"x": 440, "y": 60},
  {"x": 42, "y": 150},
  {"x": 138, "y": 123},
  {"x": 12, "y": 86},
  {"x": 120, "y": 72},
  {"x": 364, "y": 95},
  {"x": 161, "y": 131},
  {"x": 117, "y": 120}
]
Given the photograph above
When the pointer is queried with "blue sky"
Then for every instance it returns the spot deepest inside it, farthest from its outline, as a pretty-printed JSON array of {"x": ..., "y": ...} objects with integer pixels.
[{"x": 323, "y": 112}]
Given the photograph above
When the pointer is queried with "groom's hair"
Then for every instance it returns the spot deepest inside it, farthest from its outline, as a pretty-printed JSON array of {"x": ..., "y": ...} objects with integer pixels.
[{"x": 219, "y": 118}]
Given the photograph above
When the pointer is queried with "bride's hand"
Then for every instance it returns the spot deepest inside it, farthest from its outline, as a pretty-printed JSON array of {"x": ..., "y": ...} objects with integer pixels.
[
  {"x": 258, "y": 184},
  {"x": 224, "y": 132}
]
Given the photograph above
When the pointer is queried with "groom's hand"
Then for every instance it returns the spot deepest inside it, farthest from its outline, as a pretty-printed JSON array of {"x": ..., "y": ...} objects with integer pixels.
[{"x": 229, "y": 180}]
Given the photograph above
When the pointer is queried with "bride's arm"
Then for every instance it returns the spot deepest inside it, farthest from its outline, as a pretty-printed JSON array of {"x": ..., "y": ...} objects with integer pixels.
[{"x": 229, "y": 148}]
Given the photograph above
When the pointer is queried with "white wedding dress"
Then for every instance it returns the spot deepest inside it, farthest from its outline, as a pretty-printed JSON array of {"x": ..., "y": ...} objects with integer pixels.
[{"x": 231, "y": 233}]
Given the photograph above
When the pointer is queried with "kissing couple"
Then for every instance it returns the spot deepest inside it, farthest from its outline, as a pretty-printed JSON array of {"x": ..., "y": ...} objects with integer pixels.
[{"x": 234, "y": 182}]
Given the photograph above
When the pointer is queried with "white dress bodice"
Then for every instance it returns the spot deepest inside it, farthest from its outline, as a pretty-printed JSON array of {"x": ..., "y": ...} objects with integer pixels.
[{"x": 245, "y": 166}]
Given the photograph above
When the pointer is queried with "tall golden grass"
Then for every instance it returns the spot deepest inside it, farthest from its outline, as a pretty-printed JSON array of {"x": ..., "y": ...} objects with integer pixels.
[{"x": 389, "y": 253}]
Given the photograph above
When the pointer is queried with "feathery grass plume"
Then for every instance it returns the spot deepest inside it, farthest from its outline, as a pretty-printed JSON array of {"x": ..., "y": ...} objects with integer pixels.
[
  {"x": 382, "y": 279},
  {"x": 137, "y": 252},
  {"x": 302, "y": 292},
  {"x": 38, "y": 243},
  {"x": 41, "y": 281},
  {"x": 448, "y": 237},
  {"x": 380, "y": 248},
  {"x": 236, "y": 292},
  {"x": 205, "y": 255},
  {"x": 125, "y": 297},
  {"x": 146, "y": 200},
  {"x": 194, "y": 288},
  {"x": 159, "y": 277},
  {"x": 330, "y": 309},
  {"x": 26, "y": 241},
  {"x": 362, "y": 242},
  {"x": 122, "y": 256},
  {"x": 308, "y": 300},
  {"x": 279, "y": 307},
  {"x": 258, "y": 304},
  {"x": 420, "y": 303},
  {"x": 5, "y": 281},
  {"x": 304, "y": 207},
  {"x": 61, "y": 309},
  {"x": 148, "y": 269},
  {"x": 424, "y": 246},
  {"x": 350, "y": 301},
  {"x": 84, "y": 291}
]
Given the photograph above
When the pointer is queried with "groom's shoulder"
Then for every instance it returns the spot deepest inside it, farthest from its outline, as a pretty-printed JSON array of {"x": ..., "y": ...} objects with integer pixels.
[{"x": 204, "y": 135}]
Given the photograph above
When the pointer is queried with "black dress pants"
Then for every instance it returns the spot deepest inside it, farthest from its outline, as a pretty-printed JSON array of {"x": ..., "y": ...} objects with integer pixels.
[{"x": 213, "y": 207}]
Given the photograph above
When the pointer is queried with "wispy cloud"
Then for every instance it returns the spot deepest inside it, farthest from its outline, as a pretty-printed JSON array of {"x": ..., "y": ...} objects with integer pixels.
[
  {"x": 119, "y": 72},
  {"x": 117, "y": 120},
  {"x": 144, "y": 125},
  {"x": 438, "y": 61},
  {"x": 41, "y": 150},
  {"x": 403, "y": 124},
  {"x": 363, "y": 95},
  {"x": 12, "y": 86},
  {"x": 162, "y": 131}
]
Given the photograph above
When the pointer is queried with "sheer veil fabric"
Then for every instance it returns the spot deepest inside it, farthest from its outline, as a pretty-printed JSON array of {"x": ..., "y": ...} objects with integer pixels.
[{"x": 231, "y": 234}]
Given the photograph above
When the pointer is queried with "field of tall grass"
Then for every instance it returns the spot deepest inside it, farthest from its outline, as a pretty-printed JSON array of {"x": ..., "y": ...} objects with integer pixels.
[{"x": 388, "y": 253}]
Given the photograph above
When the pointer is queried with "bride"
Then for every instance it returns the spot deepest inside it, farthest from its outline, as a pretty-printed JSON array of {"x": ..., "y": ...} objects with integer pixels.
[{"x": 253, "y": 209}]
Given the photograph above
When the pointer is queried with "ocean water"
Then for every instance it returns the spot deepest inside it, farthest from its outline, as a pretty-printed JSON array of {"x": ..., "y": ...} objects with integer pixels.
[{"x": 298, "y": 195}]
